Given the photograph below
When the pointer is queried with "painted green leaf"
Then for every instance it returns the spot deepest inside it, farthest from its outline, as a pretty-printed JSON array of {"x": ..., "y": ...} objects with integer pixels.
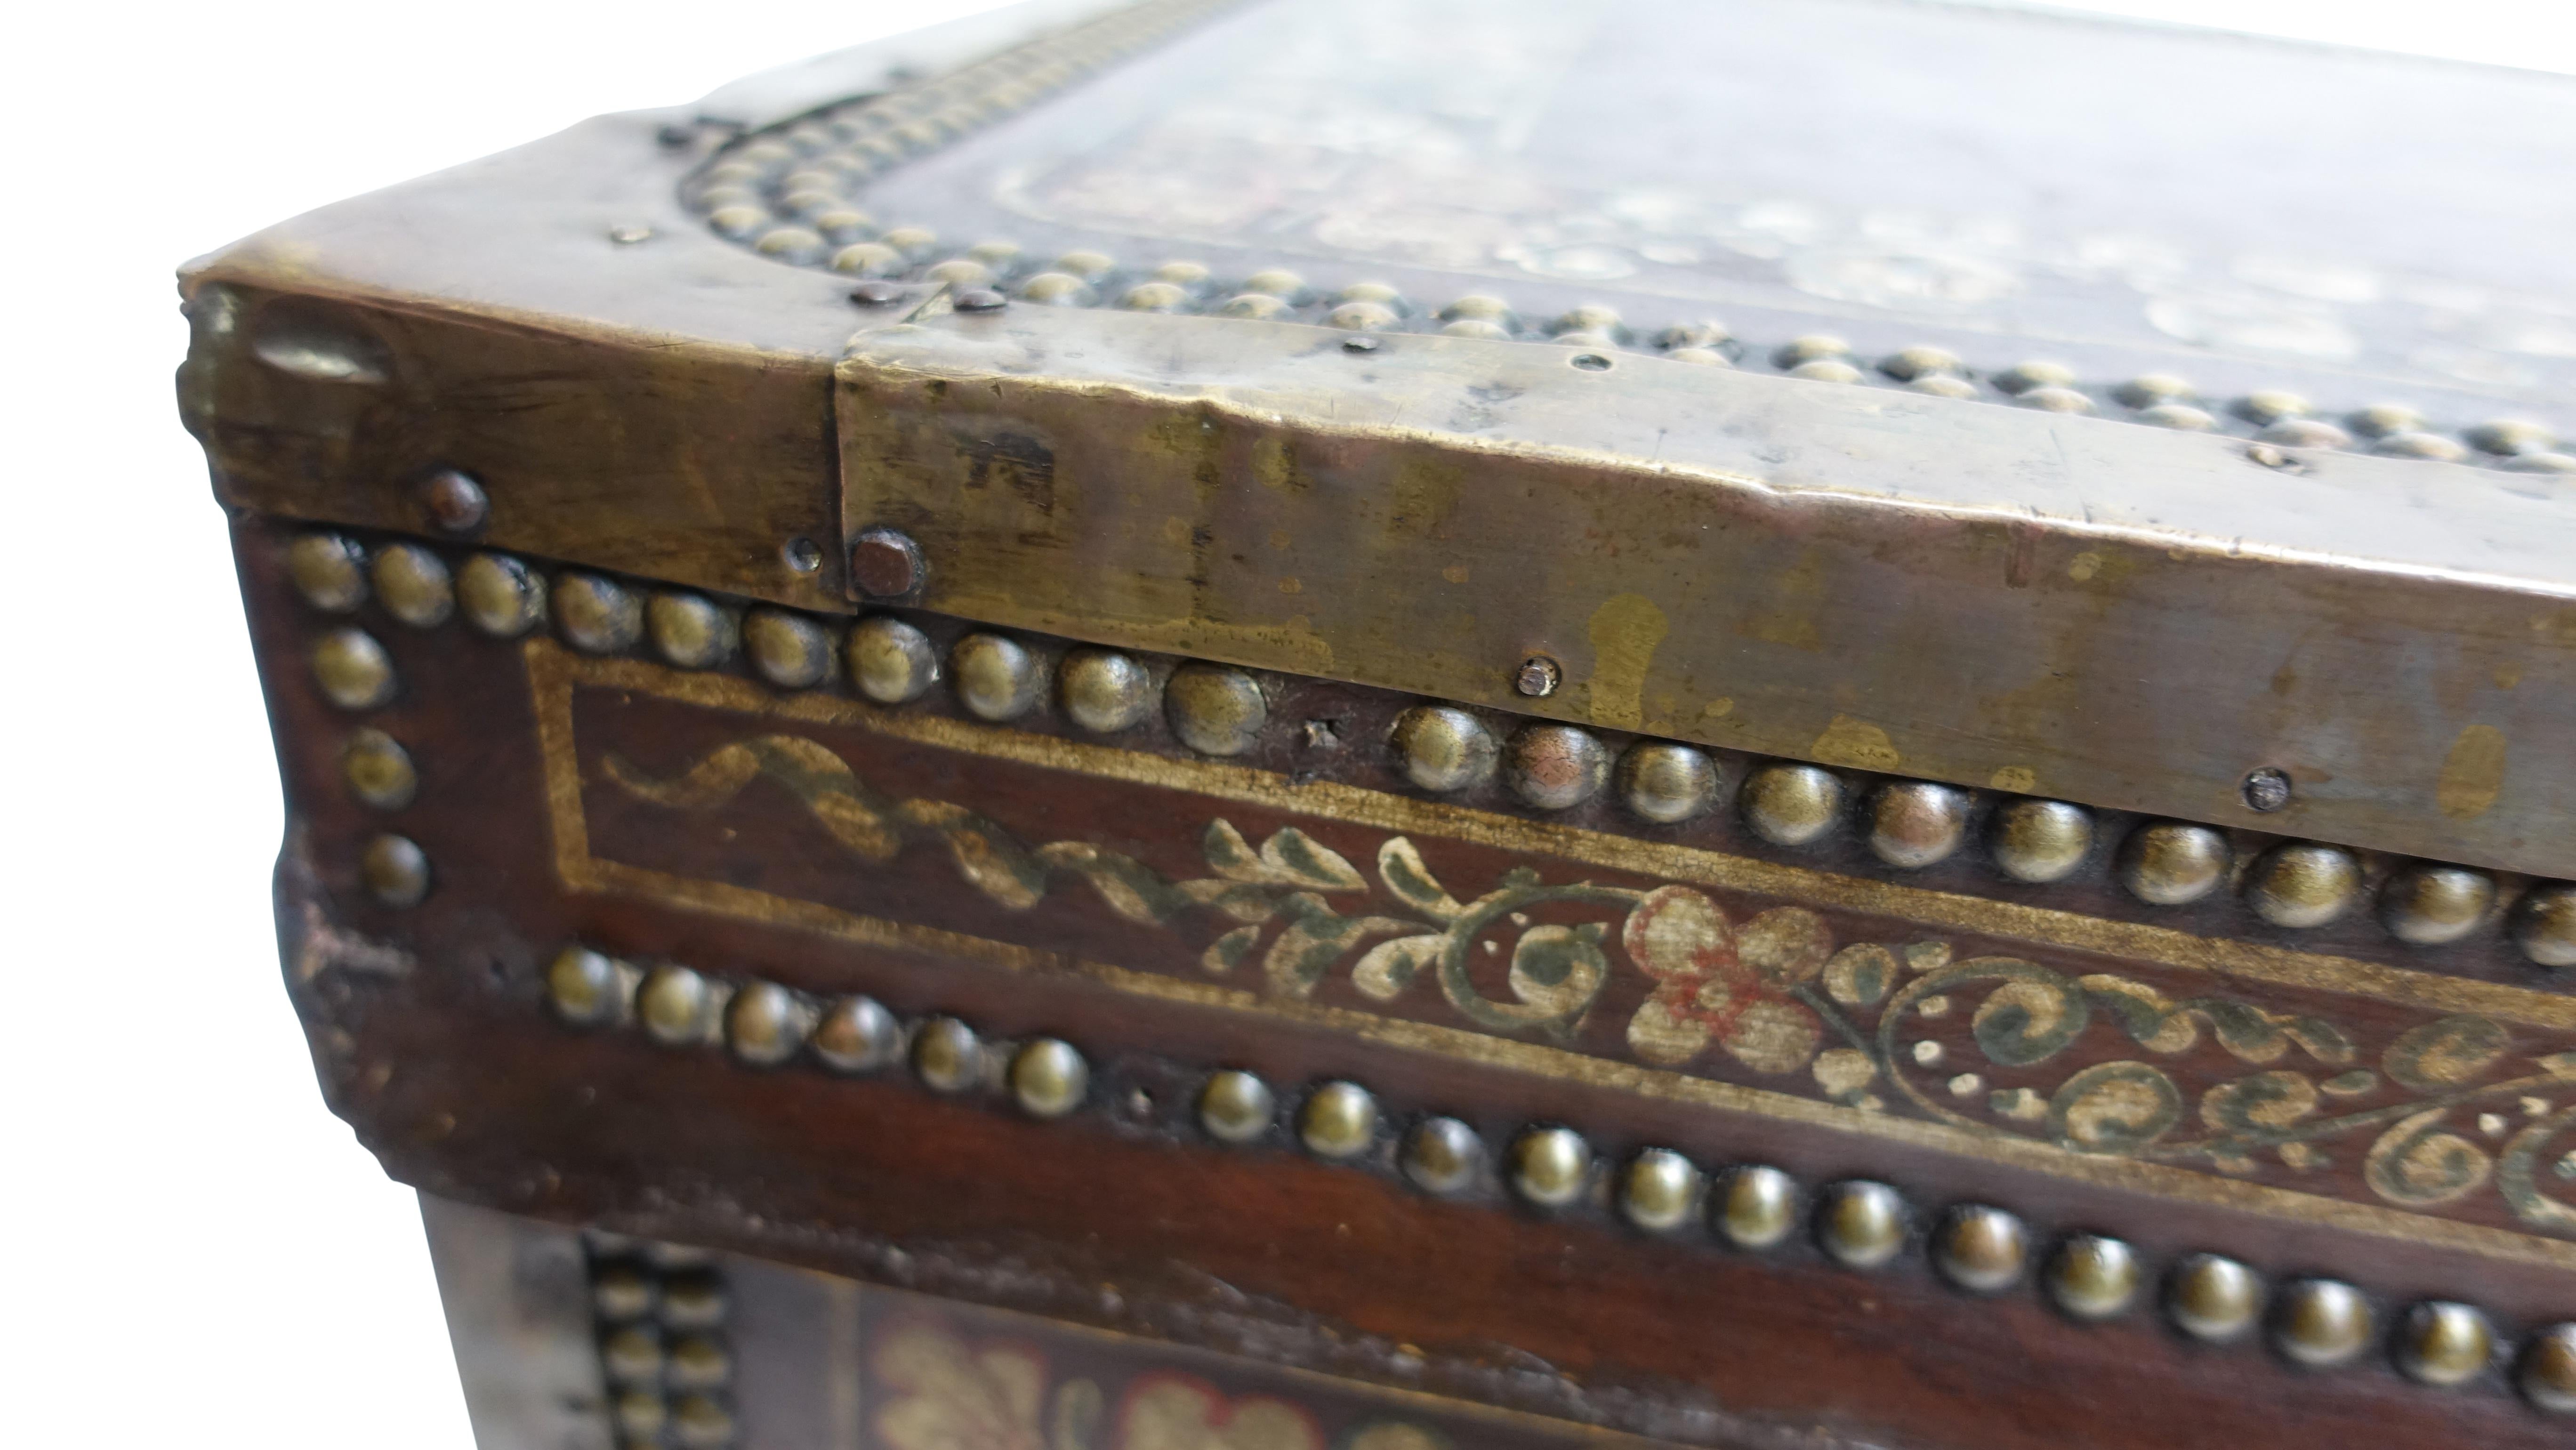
[
  {"x": 1390, "y": 966},
  {"x": 2448, "y": 1053},
  {"x": 2114, "y": 1107},
  {"x": 2031, "y": 1017},
  {"x": 1399, "y": 865}
]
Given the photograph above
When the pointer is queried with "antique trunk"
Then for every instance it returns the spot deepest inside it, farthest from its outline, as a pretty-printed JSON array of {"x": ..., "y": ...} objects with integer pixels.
[{"x": 1382, "y": 724}]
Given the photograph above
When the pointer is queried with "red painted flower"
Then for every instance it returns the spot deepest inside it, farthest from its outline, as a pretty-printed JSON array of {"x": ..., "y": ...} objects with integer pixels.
[{"x": 1714, "y": 981}]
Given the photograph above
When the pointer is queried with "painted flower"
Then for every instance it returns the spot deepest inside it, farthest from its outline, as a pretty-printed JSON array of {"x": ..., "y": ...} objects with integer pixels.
[
  {"x": 943, "y": 1394},
  {"x": 1168, "y": 1411},
  {"x": 1714, "y": 980}
]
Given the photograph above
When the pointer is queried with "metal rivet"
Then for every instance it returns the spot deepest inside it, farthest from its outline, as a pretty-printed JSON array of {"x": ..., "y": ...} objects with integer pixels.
[
  {"x": 885, "y": 563},
  {"x": 1914, "y": 823},
  {"x": 2093, "y": 1277},
  {"x": 1538, "y": 677},
  {"x": 353, "y": 670},
  {"x": 2546, "y": 1371},
  {"x": 789, "y": 650},
  {"x": 2420, "y": 445},
  {"x": 1667, "y": 783},
  {"x": 690, "y": 631},
  {"x": 620, "y": 1293},
  {"x": 1339, "y": 1120},
  {"x": 2213, "y": 1298},
  {"x": 766, "y": 1023},
  {"x": 1814, "y": 347},
  {"x": 1104, "y": 691},
  {"x": 630, "y": 233},
  {"x": 1920, "y": 362},
  {"x": 2270, "y": 406},
  {"x": 878, "y": 293},
  {"x": 2429, "y": 903},
  {"x": 2149, "y": 389},
  {"x": 694, "y": 1301},
  {"x": 396, "y": 871},
  {"x": 1981, "y": 1249},
  {"x": 1791, "y": 805},
  {"x": 501, "y": 596},
  {"x": 378, "y": 770},
  {"x": 2056, "y": 400},
  {"x": 414, "y": 585},
  {"x": 857, "y": 1034},
  {"x": 678, "y": 1007},
  {"x": 2508, "y": 437},
  {"x": 2557, "y": 463},
  {"x": 2445, "y": 1344},
  {"x": 1057, "y": 289},
  {"x": 1361, "y": 343},
  {"x": 455, "y": 502},
  {"x": 1943, "y": 385},
  {"x": 1443, "y": 748},
  {"x": 329, "y": 571},
  {"x": 2037, "y": 373},
  {"x": 1659, "y": 1191},
  {"x": 947, "y": 1056},
  {"x": 2383, "y": 420},
  {"x": 1215, "y": 710},
  {"x": 801, "y": 555},
  {"x": 1555, "y": 767},
  {"x": 1593, "y": 362},
  {"x": 1861, "y": 1223},
  {"x": 697, "y": 1362},
  {"x": 2168, "y": 863},
  {"x": 2544, "y": 925},
  {"x": 1236, "y": 1107},
  {"x": 890, "y": 661},
  {"x": 996, "y": 678},
  {"x": 2321, "y": 1323},
  {"x": 1443, "y": 1155},
  {"x": 980, "y": 299},
  {"x": 596, "y": 613},
  {"x": 1550, "y": 1166},
  {"x": 1754, "y": 1206},
  {"x": 1048, "y": 1077},
  {"x": 1826, "y": 370},
  {"x": 2266, "y": 789},
  {"x": 2040, "y": 841},
  {"x": 699, "y": 1423},
  {"x": 2300, "y": 884},
  {"x": 1170, "y": 297},
  {"x": 2181, "y": 417},
  {"x": 1362, "y": 316},
  {"x": 586, "y": 987},
  {"x": 633, "y": 1355}
]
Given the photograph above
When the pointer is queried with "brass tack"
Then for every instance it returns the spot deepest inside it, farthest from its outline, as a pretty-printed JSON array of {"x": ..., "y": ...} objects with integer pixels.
[
  {"x": 996, "y": 678},
  {"x": 2508, "y": 437},
  {"x": 2094, "y": 1277},
  {"x": 766, "y": 1023},
  {"x": 1363, "y": 317},
  {"x": 2321, "y": 1323},
  {"x": 1754, "y": 1206},
  {"x": 2270, "y": 406},
  {"x": 596, "y": 613},
  {"x": 2305, "y": 433},
  {"x": 329, "y": 571},
  {"x": 1667, "y": 783},
  {"x": 379, "y": 771},
  {"x": 2149, "y": 389},
  {"x": 640, "y": 1417},
  {"x": 414, "y": 586},
  {"x": 947, "y": 1056},
  {"x": 587, "y": 988},
  {"x": 353, "y": 670},
  {"x": 620, "y": 1293},
  {"x": 1048, "y": 1077},
  {"x": 1602, "y": 322},
  {"x": 2429, "y": 903},
  {"x": 1154, "y": 297},
  {"x": 1550, "y": 1166},
  {"x": 1791, "y": 805},
  {"x": 2168, "y": 863},
  {"x": 2301, "y": 884},
  {"x": 890, "y": 661},
  {"x": 1920, "y": 362},
  {"x": 2037, "y": 373},
  {"x": 2557, "y": 463},
  {"x": 1105, "y": 691},
  {"x": 689, "y": 630},
  {"x": 1443, "y": 1155},
  {"x": 2181, "y": 417},
  {"x": 1861, "y": 1224},
  {"x": 1814, "y": 347},
  {"x": 632, "y": 1355},
  {"x": 692, "y": 1301},
  {"x": 1914, "y": 823},
  {"x": 1827, "y": 370},
  {"x": 857, "y": 1034},
  {"x": 697, "y": 1362},
  {"x": 678, "y": 1007},
  {"x": 2413, "y": 444},
  {"x": 2213, "y": 1298},
  {"x": 2546, "y": 1371},
  {"x": 1236, "y": 1107},
  {"x": 1339, "y": 1120},
  {"x": 2445, "y": 1344},
  {"x": 2056, "y": 400},
  {"x": 1215, "y": 709},
  {"x": 2383, "y": 420},
  {"x": 2544, "y": 925},
  {"x": 699, "y": 1423},
  {"x": 395, "y": 870},
  {"x": 1057, "y": 289},
  {"x": 1442, "y": 748},
  {"x": 789, "y": 650},
  {"x": 1538, "y": 677},
  {"x": 2040, "y": 841},
  {"x": 501, "y": 596},
  {"x": 1659, "y": 1190},
  {"x": 454, "y": 501},
  {"x": 2266, "y": 789},
  {"x": 1276, "y": 282},
  {"x": 1555, "y": 767},
  {"x": 1258, "y": 306},
  {"x": 1981, "y": 1249}
]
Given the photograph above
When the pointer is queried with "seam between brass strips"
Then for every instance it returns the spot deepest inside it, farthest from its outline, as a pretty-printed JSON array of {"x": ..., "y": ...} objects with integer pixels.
[{"x": 555, "y": 672}]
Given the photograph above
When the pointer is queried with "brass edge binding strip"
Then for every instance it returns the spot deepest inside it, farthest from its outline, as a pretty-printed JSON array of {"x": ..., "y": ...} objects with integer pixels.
[{"x": 659, "y": 1311}]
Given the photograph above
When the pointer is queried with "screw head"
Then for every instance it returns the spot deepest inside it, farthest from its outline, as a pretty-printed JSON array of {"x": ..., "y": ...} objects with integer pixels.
[
  {"x": 1359, "y": 344},
  {"x": 2267, "y": 789},
  {"x": 456, "y": 503},
  {"x": 1538, "y": 677},
  {"x": 876, "y": 294},
  {"x": 676, "y": 135},
  {"x": 885, "y": 563},
  {"x": 980, "y": 299}
]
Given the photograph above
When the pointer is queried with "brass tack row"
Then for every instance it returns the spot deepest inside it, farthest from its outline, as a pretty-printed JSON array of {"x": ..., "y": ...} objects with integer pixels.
[
  {"x": 1861, "y": 1224},
  {"x": 658, "y": 1312},
  {"x": 1441, "y": 749}
]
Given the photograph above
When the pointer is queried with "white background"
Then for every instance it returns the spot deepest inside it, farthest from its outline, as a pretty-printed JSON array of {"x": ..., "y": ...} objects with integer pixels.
[{"x": 196, "y": 1251}]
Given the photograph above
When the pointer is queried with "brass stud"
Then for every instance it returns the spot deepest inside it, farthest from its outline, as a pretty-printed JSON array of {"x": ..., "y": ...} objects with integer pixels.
[
  {"x": 2445, "y": 1344},
  {"x": 1861, "y": 1224},
  {"x": 2213, "y": 1298},
  {"x": 1659, "y": 1191},
  {"x": 1476, "y": 327},
  {"x": 596, "y": 613},
  {"x": 1827, "y": 370},
  {"x": 1154, "y": 297},
  {"x": 632, "y": 1355},
  {"x": 2321, "y": 1323},
  {"x": 2508, "y": 437},
  {"x": 501, "y": 596},
  {"x": 329, "y": 571},
  {"x": 1443, "y": 748},
  {"x": 1105, "y": 691},
  {"x": 2269, "y": 406},
  {"x": 1362, "y": 317},
  {"x": 956, "y": 272},
  {"x": 1707, "y": 357},
  {"x": 2544, "y": 925},
  {"x": 2429, "y": 903},
  {"x": 678, "y": 1007},
  {"x": 1981, "y": 1249},
  {"x": 699, "y": 1423},
  {"x": 1258, "y": 306},
  {"x": 1048, "y": 1077},
  {"x": 587, "y": 988},
  {"x": 1550, "y": 1166},
  {"x": 789, "y": 650},
  {"x": 1943, "y": 385},
  {"x": 454, "y": 502},
  {"x": 2040, "y": 841},
  {"x": 857, "y": 1034},
  {"x": 1555, "y": 767},
  {"x": 2305, "y": 433},
  {"x": 766, "y": 1023},
  {"x": 868, "y": 259},
  {"x": 1706, "y": 335},
  {"x": 1443, "y": 1155},
  {"x": 1214, "y": 709},
  {"x": 800, "y": 245},
  {"x": 947, "y": 1056},
  {"x": 2056, "y": 400},
  {"x": 911, "y": 241},
  {"x": 1921, "y": 362},
  {"x": 1791, "y": 805},
  {"x": 2168, "y": 863},
  {"x": 697, "y": 1362},
  {"x": 890, "y": 661},
  {"x": 1667, "y": 783},
  {"x": 621, "y": 1293},
  {"x": 1057, "y": 289},
  {"x": 1276, "y": 282},
  {"x": 395, "y": 870},
  {"x": 2093, "y": 1277},
  {"x": 640, "y": 1417},
  {"x": 2301, "y": 884},
  {"x": 1814, "y": 347},
  {"x": 2385, "y": 420},
  {"x": 1236, "y": 1107},
  {"x": 2546, "y": 1371},
  {"x": 996, "y": 678},
  {"x": 353, "y": 670},
  {"x": 2150, "y": 389},
  {"x": 1754, "y": 1206},
  {"x": 1914, "y": 823},
  {"x": 414, "y": 585},
  {"x": 2037, "y": 373},
  {"x": 379, "y": 770},
  {"x": 689, "y": 630},
  {"x": 2558, "y": 463},
  {"x": 2421, "y": 445},
  {"x": 1339, "y": 1120},
  {"x": 2181, "y": 417},
  {"x": 1184, "y": 273},
  {"x": 1600, "y": 322},
  {"x": 1477, "y": 306}
]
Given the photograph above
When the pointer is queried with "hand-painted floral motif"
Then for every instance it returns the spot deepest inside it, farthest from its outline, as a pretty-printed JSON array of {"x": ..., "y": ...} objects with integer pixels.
[
  {"x": 948, "y": 1395},
  {"x": 1714, "y": 981},
  {"x": 1169, "y": 1411}
]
